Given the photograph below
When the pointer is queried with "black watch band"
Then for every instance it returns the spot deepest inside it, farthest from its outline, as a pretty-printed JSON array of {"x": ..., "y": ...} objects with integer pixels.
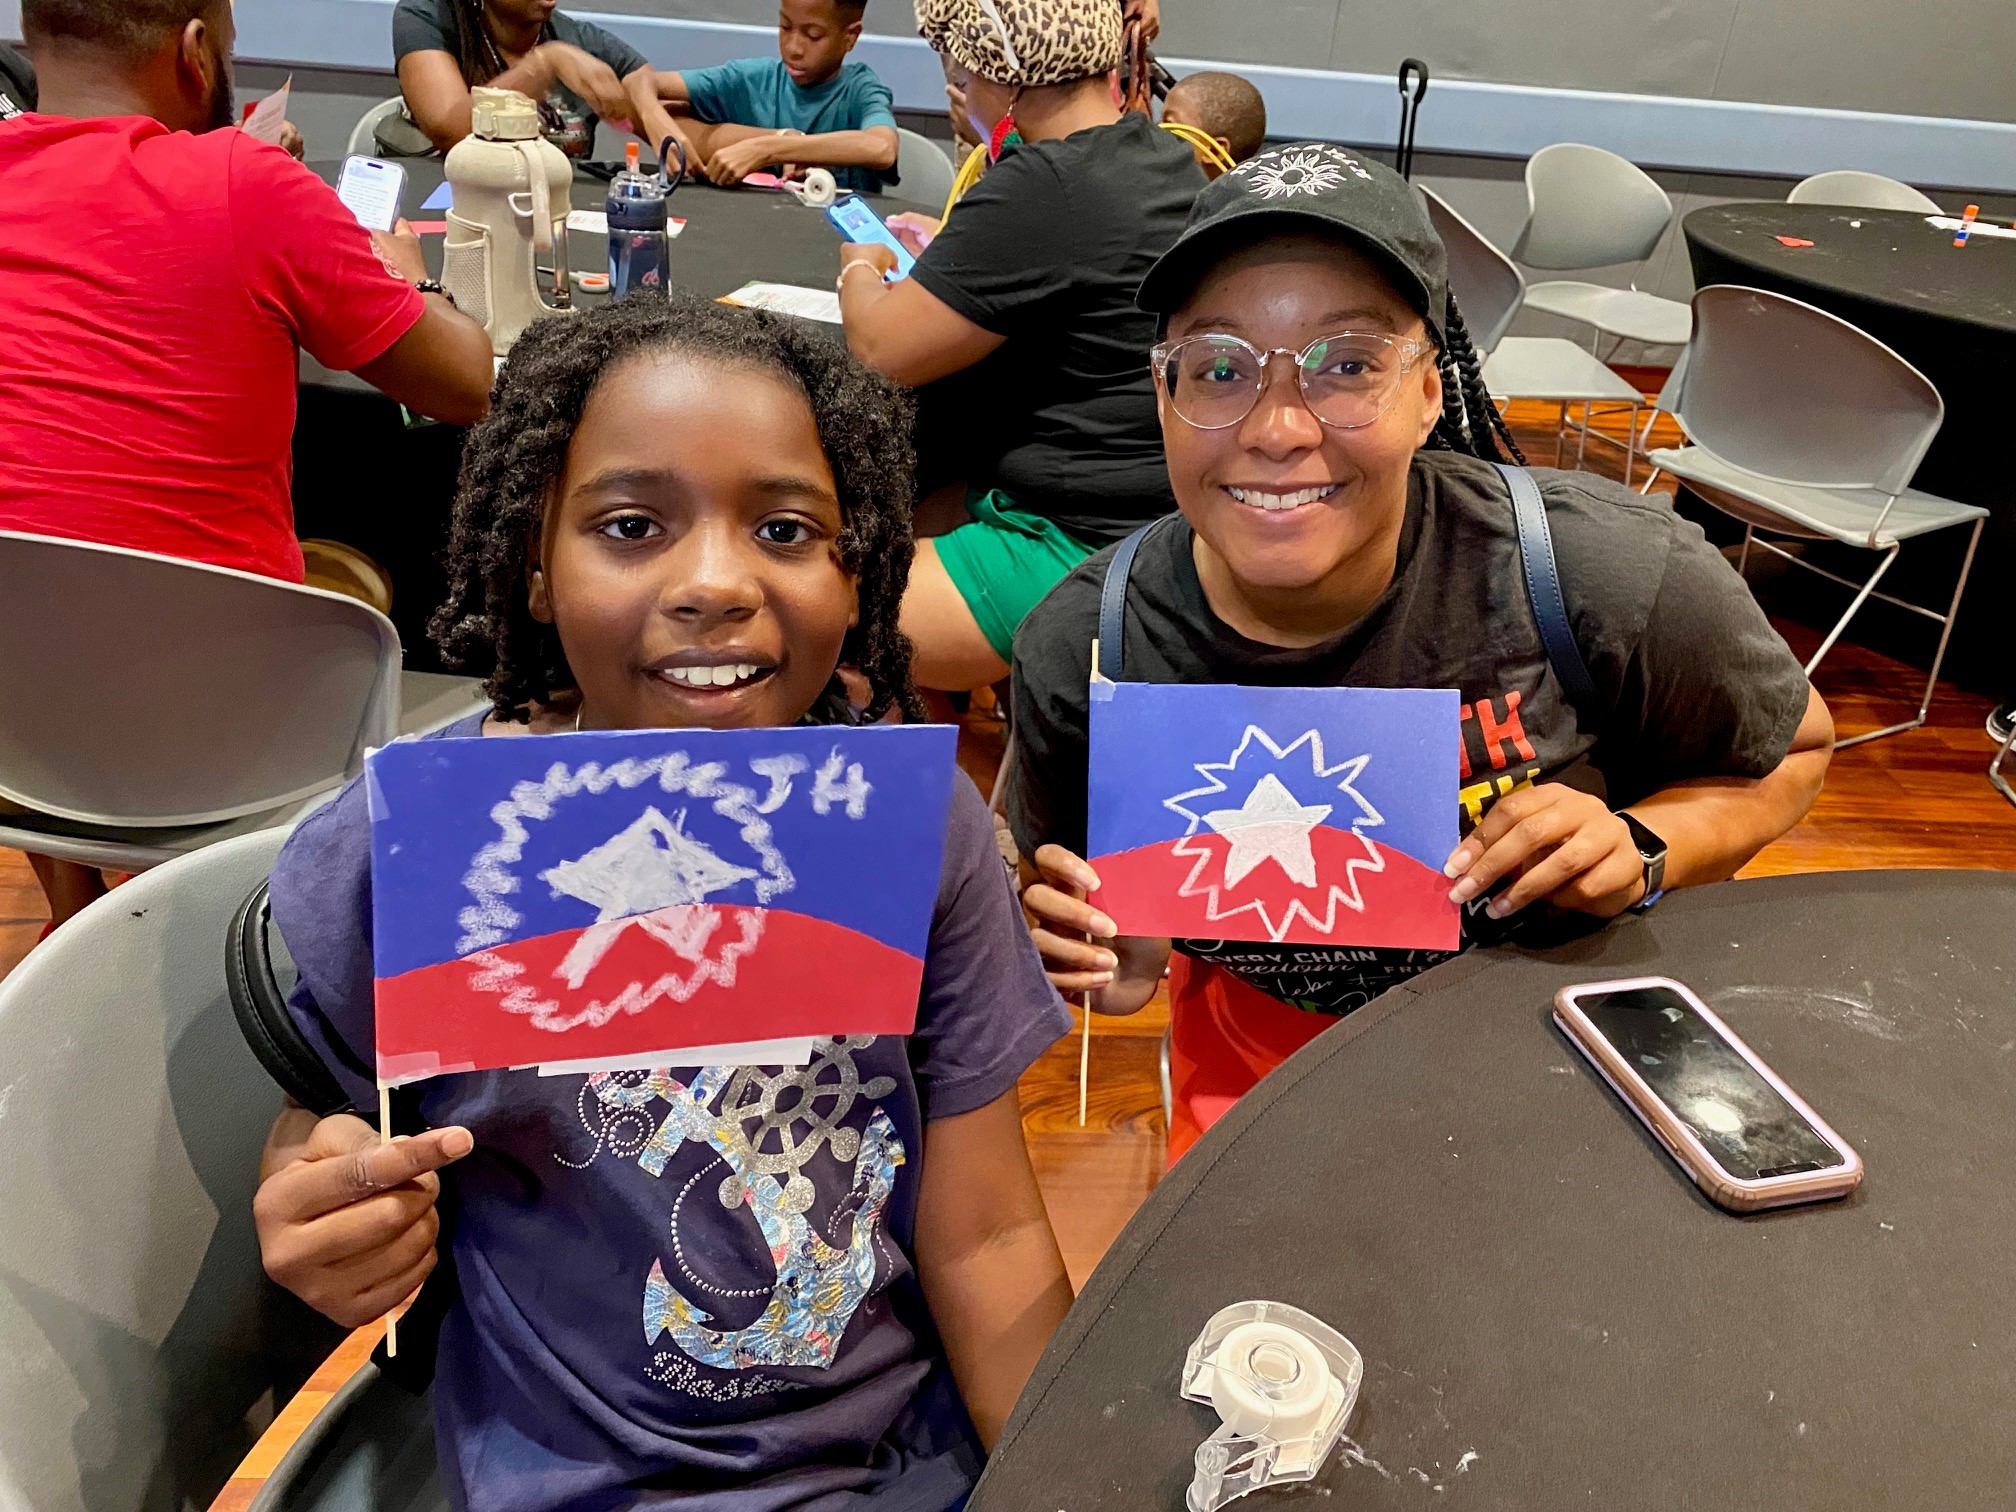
[{"x": 1652, "y": 853}]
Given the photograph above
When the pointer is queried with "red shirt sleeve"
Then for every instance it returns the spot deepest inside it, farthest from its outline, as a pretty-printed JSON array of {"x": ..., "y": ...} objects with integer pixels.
[{"x": 302, "y": 255}]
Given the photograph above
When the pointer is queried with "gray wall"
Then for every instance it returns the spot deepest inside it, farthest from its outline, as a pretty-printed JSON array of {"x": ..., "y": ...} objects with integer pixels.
[{"x": 1909, "y": 57}]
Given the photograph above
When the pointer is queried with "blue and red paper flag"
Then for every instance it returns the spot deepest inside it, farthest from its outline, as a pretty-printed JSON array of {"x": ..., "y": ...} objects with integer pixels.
[
  {"x": 603, "y": 897},
  {"x": 1293, "y": 815}
]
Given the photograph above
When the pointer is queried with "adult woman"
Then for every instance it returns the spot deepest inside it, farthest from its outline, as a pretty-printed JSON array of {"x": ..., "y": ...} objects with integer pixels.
[
  {"x": 578, "y": 72},
  {"x": 1341, "y": 526},
  {"x": 1028, "y": 291}
]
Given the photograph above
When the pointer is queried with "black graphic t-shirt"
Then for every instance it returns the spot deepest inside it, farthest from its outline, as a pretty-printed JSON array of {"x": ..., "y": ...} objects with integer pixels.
[{"x": 1693, "y": 679}]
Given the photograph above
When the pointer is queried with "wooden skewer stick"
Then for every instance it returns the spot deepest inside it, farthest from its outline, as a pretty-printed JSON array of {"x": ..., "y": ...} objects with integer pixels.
[{"x": 385, "y": 1134}]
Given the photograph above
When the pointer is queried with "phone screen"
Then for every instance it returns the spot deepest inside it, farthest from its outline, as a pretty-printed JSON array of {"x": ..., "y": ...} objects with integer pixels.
[
  {"x": 372, "y": 189},
  {"x": 858, "y": 223},
  {"x": 1745, "y": 1123}
]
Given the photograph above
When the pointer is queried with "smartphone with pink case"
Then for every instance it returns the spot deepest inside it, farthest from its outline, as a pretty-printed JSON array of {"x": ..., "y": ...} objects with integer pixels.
[{"x": 1747, "y": 1139}]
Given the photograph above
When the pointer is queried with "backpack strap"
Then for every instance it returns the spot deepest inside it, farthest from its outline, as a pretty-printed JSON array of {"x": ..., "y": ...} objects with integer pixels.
[
  {"x": 1113, "y": 603},
  {"x": 1543, "y": 588},
  {"x": 260, "y": 1005}
]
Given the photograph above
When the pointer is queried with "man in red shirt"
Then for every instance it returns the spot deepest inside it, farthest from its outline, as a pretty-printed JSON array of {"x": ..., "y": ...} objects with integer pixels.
[{"x": 158, "y": 273}]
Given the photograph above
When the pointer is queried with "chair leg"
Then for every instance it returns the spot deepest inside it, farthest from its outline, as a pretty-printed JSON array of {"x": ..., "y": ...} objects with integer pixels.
[
  {"x": 1743, "y": 561},
  {"x": 1946, "y": 627},
  {"x": 996, "y": 799},
  {"x": 1995, "y": 777},
  {"x": 1560, "y": 432},
  {"x": 1169, "y": 1096},
  {"x": 1582, "y": 446},
  {"x": 1860, "y": 599},
  {"x": 1650, "y": 478}
]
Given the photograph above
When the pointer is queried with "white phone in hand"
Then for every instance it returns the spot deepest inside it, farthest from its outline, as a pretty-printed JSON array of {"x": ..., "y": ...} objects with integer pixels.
[{"x": 372, "y": 189}]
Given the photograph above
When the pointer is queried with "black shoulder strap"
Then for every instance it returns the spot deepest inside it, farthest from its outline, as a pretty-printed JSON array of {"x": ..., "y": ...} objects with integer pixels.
[
  {"x": 1543, "y": 588},
  {"x": 260, "y": 1004},
  {"x": 1113, "y": 603}
]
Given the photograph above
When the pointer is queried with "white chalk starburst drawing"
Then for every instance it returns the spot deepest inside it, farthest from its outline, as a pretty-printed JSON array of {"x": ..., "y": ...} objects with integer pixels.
[{"x": 1271, "y": 825}]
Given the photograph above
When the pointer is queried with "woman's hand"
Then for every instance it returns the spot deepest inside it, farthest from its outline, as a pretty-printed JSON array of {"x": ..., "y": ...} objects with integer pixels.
[
  {"x": 348, "y": 1224},
  {"x": 868, "y": 252},
  {"x": 589, "y": 77},
  {"x": 1148, "y": 13},
  {"x": 1057, "y": 902},
  {"x": 1564, "y": 847},
  {"x": 914, "y": 230}
]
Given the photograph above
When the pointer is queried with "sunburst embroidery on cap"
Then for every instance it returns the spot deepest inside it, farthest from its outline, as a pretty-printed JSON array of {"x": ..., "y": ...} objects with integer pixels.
[{"x": 1300, "y": 170}]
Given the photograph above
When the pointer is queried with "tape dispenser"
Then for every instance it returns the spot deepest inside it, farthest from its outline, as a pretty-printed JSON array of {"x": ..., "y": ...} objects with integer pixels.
[
  {"x": 817, "y": 189},
  {"x": 1283, "y": 1384}
]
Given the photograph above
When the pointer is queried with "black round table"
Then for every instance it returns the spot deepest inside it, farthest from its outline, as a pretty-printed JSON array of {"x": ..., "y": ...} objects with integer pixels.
[
  {"x": 1951, "y": 313},
  {"x": 1532, "y": 1282}
]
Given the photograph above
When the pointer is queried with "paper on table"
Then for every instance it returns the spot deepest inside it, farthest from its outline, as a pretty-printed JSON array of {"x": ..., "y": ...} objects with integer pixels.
[
  {"x": 1981, "y": 227},
  {"x": 441, "y": 198},
  {"x": 269, "y": 115},
  {"x": 596, "y": 223},
  {"x": 788, "y": 299}
]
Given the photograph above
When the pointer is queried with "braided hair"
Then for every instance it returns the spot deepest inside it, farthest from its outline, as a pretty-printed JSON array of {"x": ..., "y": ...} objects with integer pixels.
[
  {"x": 1470, "y": 422},
  {"x": 477, "y": 54},
  {"x": 512, "y": 462}
]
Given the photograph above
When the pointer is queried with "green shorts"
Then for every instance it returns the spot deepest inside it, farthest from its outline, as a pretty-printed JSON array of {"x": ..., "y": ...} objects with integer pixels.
[{"x": 1003, "y": 560}]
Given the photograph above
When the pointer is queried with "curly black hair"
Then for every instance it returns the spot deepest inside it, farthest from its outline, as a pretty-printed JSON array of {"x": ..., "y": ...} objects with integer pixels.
[
  {"x": 1470, "y": 422},
  {"x": 515, "y": 455}
]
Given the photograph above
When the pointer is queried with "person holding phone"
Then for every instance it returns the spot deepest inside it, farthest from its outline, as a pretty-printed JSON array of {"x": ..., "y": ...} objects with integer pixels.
[
  {"x": 1330, "y": 443},
  {"x": 576, "y": 72},
  {"x": 1027, "y": 295},
  {"x": 159, "y": 276}
]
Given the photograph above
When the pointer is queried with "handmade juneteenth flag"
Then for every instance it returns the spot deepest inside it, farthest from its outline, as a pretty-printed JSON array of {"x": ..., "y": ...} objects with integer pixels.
[
  {"x": 574, "y": 901},
  {"x": 1295, "y": 815}
]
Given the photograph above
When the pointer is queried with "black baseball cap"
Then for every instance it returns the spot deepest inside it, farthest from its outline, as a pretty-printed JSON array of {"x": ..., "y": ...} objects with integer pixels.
[{"x": 1313, "y": 186}]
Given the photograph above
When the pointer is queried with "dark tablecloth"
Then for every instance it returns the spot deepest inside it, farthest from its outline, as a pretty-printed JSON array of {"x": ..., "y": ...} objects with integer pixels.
[
  {"x": 362, "y": 476},
  {"x": 1531, "y": 1280},
  {"x": 1951, "y": 313}
]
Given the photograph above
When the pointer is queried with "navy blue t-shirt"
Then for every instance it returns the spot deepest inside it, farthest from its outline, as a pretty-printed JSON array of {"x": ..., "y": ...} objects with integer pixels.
[{"x": 693, "y": 1285}]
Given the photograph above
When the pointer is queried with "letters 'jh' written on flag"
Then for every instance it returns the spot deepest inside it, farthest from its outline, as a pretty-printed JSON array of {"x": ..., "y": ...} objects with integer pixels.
[
  {"x": 575, "y": 900},
  {"x": 1296, "y": 815}
]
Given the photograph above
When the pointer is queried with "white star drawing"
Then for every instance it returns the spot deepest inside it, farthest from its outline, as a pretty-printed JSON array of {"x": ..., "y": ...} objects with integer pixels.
[
  {"x": 1270, "y": 826},
  {"x": 1279, "y": 828}
]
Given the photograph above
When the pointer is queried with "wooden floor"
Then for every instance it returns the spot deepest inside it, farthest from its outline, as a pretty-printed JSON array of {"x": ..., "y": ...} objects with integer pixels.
[{"x": 1915, "y": 800}]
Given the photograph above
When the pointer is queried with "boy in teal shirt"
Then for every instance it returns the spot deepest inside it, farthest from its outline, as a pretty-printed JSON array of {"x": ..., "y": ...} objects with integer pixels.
[{"x": 808, "y": 106}]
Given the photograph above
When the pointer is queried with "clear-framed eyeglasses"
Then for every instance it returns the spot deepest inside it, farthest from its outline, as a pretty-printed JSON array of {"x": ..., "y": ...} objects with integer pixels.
[{"x": 1347, "y": 380}]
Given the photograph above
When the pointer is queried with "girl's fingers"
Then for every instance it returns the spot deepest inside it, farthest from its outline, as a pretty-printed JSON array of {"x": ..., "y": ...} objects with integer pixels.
[
  {"x": 1073, "y": 955},
  {"x": 364, "y": 1227},
  {"x": 1605, "y": 889},
  {"x": 1066, "y": 912},
  {"x": 381, "y": 1299}
]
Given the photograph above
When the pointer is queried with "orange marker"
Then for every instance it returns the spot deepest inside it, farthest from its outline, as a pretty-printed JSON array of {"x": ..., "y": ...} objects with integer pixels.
[{"x": 1967, "y": 219}]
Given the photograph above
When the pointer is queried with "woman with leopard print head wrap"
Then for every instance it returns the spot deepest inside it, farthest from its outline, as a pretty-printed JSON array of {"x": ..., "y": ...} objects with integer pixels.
[{"x": 1019, "y": 323}]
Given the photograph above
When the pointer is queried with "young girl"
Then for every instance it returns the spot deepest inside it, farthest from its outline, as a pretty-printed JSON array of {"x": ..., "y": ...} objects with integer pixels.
[
  {"x": 661, "y": 489},
  {"x": 1328, "y": 436}
]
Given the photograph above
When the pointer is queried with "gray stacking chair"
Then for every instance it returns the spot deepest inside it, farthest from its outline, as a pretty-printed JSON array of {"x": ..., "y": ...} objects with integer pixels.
[
  {"x": 142, "y": 1348},
  {"x": 1801, "y": 425},
  {"x": 156, "y": 705},
  {"x": 1861, "y": 191},
  {"x": 364, "y": 135},
  {"x": 1489, "y": 289},
  {"x": 923, "y": 169},
  {"x": 1588, "y": 208}
]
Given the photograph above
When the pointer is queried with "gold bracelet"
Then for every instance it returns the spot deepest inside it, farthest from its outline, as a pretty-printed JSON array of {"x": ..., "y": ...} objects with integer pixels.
[{"x": 851, "y": 264}]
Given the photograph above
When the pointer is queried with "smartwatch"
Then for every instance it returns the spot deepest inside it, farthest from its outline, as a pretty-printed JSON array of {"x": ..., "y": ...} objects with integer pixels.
[{"x": 1652, "y": 852}]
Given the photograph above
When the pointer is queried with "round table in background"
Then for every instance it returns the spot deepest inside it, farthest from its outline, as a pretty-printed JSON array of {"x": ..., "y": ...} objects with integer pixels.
[
  {"x": 1551, "y": 1315},
  {"x": 1951, "y": 313}
]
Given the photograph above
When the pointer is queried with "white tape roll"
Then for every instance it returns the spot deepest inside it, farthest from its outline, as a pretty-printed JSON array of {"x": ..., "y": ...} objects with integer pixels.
[
  {"x": 820, "y": 188},
  {"x": 1270, "y": 1379}
]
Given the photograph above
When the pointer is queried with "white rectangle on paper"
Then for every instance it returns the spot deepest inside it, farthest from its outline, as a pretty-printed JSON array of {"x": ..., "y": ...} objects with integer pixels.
[
  {"x": 779, "y": 1052},
  {"x": 789, "y": 299},
  {"x": 596, "y": 223},
  {"x": 1980, "y": 228}
]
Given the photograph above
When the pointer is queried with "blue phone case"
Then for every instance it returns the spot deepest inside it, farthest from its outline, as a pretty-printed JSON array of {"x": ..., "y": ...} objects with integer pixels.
[{"x": 879, "y": 233}]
